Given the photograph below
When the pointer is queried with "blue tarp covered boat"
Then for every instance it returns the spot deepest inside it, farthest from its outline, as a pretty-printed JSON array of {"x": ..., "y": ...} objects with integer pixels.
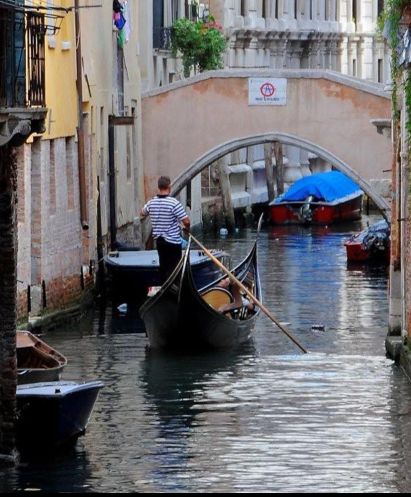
[{"x": 321, "y": 198}]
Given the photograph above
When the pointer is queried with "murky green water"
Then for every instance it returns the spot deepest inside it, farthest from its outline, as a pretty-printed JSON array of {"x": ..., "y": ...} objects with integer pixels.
[{"x": 265, "y": 418}]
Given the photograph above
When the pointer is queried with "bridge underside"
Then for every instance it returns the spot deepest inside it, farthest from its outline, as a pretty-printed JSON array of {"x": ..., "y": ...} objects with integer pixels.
[{"x": 191, "y": 124}]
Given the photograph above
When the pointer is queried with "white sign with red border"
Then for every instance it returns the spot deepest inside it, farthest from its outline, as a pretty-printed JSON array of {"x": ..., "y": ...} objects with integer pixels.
[{"x": 267, "y": 91}]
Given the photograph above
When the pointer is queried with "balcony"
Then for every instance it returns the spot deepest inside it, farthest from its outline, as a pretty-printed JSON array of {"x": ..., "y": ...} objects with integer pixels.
[
  {"x": 162, "y": 38},
  {"x": 22, "y": 73},
  {"x": 22, "y": 65}
]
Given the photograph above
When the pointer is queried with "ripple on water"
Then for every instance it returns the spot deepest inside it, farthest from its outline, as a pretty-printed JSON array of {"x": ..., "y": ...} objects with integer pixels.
[{"x": 263, "y": 419}]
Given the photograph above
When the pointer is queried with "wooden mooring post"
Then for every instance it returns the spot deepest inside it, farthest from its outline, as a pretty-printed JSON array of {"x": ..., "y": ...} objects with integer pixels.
[
  {"x": 226, "y": 193},
  {"x": 278, "y": 153},
  {"x": 269, "y": 172}
]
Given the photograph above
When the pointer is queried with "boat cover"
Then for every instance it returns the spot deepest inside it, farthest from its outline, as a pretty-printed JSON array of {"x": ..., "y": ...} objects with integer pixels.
[{"x": 327, "y": 187}]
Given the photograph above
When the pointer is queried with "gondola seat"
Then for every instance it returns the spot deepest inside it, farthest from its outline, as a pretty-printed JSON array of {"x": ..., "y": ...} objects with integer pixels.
[{"x": 217, "y": 297}]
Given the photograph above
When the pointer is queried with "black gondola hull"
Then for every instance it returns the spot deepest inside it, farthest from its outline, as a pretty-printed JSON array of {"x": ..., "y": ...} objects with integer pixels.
[{"x": 178, "y": 317}]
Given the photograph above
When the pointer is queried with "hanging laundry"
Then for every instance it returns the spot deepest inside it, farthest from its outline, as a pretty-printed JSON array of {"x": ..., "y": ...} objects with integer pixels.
[
  {"x": 127, "y": 27},
  {"x": 120, "y": 21},
  {"x": 121, "y": 38},
  {"x": 117, "y": 6}
]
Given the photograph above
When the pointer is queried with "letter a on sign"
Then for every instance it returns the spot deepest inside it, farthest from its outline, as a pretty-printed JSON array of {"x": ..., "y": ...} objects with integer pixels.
[{"x": 269, "y": 91}]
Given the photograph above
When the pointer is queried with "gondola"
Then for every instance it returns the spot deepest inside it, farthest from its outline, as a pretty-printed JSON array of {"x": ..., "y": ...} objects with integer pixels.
[{"x": 182, "y": 317}]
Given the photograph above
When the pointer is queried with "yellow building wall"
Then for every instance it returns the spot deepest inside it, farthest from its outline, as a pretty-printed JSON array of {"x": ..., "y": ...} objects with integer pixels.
[{"x": 61, "y": 92}]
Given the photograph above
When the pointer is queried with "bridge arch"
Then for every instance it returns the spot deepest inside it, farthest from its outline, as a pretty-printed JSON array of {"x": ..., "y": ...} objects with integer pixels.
[
  {"x": 286, "y": 139},
  {"x": 189, "y": 124}
]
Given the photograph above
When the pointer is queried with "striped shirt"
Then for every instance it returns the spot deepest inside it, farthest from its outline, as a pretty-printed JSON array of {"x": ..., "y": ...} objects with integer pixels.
[{"x": 165, "y": 212}]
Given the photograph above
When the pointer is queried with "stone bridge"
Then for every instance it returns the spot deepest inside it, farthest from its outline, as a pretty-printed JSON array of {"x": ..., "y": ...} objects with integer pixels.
[{"x": 343, "y": 120}]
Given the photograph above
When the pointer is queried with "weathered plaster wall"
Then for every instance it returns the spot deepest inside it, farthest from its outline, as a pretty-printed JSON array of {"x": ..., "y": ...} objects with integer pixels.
[{"x": 186, "y": 120}]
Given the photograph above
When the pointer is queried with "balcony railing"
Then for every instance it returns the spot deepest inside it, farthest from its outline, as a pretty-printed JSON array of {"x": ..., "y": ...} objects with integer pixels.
[
  {"x": 162, "y": 38},
  {"x": 22, "y": 63}
]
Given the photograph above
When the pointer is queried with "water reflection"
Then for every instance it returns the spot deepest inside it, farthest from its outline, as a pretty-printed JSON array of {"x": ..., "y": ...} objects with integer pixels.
[
  {"x": 263, "y": 418},
  {"x": 174, "y": 386}
]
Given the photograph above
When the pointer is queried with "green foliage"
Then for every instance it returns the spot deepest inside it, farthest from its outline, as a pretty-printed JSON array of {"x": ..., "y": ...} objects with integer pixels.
[
  {"x": 390, "y": 21},
  {"x": 201, "y": 44}
]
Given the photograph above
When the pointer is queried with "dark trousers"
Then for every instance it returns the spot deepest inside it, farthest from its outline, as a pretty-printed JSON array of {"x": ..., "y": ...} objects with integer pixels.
[{"x": 169, "y": 255}]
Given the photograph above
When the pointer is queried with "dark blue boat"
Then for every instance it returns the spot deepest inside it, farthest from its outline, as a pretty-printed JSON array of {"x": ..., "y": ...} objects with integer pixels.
[
  {"x": 54, "y": 414},
  {"x": 133, "y": 272}
]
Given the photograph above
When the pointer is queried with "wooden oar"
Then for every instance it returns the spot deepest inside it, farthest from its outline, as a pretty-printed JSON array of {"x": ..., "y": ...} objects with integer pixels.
[{"x": 247, "y": 291}]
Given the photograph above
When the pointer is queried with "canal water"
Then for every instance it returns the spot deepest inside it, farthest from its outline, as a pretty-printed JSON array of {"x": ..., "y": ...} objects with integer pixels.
[{"x": 264, "y": 418}]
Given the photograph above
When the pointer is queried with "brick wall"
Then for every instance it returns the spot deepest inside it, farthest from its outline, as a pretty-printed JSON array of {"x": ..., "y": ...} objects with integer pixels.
[{"x": 52, "y": 246}]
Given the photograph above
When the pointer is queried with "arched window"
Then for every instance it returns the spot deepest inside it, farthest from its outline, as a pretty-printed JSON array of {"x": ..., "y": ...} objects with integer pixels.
[
  {"x": 266, "y": 9},
  {"x": 354, "y": 11},
  {"x": 380, "y": 7},
  {"x": 174, "y": 10}
]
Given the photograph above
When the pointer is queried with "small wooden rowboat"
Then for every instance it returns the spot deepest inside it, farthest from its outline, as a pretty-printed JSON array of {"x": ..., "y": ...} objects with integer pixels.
[
  {"x": 180, "y": 316},
  {"x": 36, "y": 360}
]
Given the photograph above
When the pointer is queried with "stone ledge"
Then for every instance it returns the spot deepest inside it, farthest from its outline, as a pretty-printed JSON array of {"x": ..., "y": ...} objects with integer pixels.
[
  {"x": 393, "y": 347},
  {"x": 333, "y": 76},
  {"x": 400, "y": 353},
  {"x": 404, "y": 360},
  {"x": 58, "y": 317}
]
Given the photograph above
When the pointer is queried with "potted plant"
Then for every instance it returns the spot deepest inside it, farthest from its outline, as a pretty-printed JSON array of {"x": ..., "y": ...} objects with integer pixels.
[{"x": 200, "y": 43}]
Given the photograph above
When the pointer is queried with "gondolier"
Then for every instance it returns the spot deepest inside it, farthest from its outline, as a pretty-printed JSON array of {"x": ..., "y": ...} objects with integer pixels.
[{"x": 166, "y": 214}]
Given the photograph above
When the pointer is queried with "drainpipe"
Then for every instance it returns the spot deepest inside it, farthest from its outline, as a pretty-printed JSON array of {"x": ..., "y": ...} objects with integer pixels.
[
  {"x": 80, "y": 128},
  {"x": 112, "y": 185}
]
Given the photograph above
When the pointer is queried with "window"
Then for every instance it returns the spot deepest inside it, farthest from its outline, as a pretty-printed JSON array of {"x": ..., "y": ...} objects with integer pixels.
[
  {"x": 191, "y": 10},
  {"x": 380, "y": 7},
  {"x": 380, "y": 71},
  {"x": 158, "y": 22},
  {"x": 120, "y": 81},
  {"x": 174, "y": 10},
  {"x": 266, "y": 9}
]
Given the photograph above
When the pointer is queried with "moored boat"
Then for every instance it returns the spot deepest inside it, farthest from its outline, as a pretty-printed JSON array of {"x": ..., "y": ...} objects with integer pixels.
[
  {"x": 182, "y": 317},
  {"x": 322, "y": 198},
  {"x": 51, "y": 415},
  {"x": 370, "y": 245},
  {"x": 134, "y": 272},
  {"x": 36, "y": 360}
]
